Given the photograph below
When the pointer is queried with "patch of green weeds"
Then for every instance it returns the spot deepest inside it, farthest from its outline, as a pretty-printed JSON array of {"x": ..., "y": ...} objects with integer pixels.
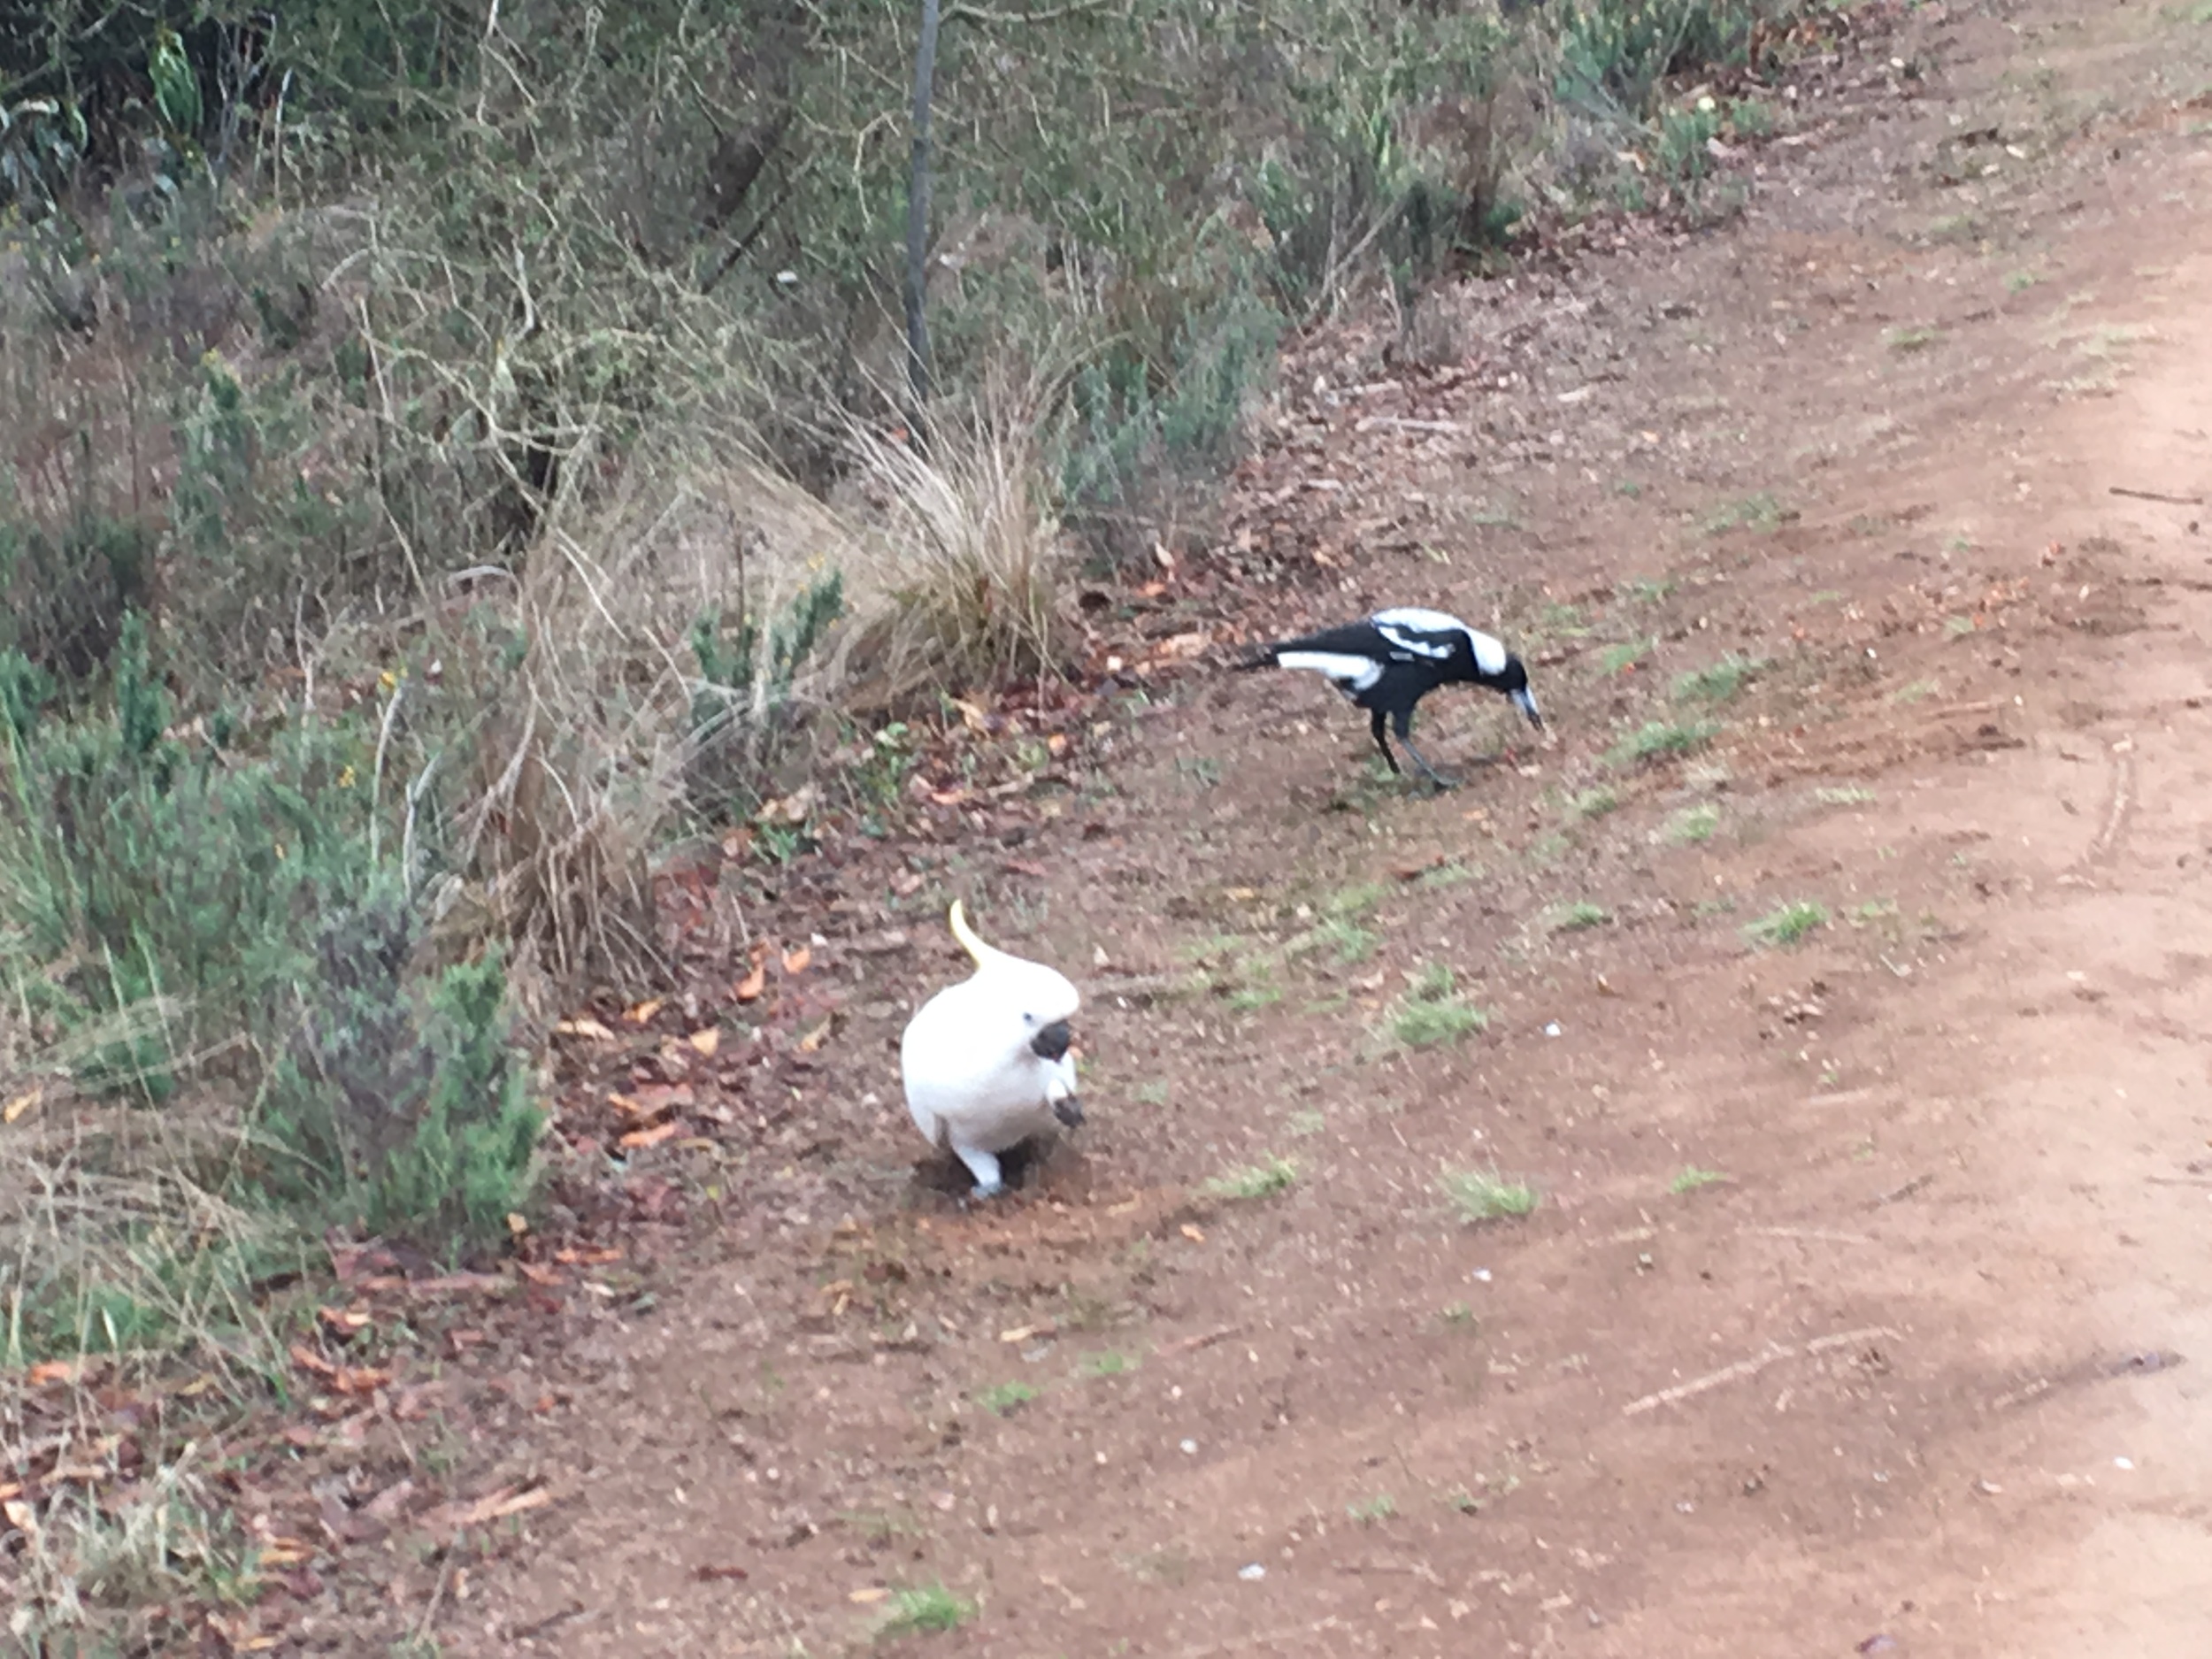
[
  {"x": 1787, "y": 925},
  {"x": 1306, "y": 1123},
  {"x": 1595, "y": 803},
  {"x": 1572, "y": 918},
  {"x": 1616, "y": 659},
  {"x": 1844, "y": 795},
  {"x": 1356, "y": 900},
  {"x": 1345, "y": 940},
  {"x": 1370, "y": 1510},
  {"x": 1690, "y": 1179},
  {"x": 1661, "y": 740},
  {"x": 1486, "y": 1195},
  {"x": 1719, "y": 682},
  {"x": 1432, "y": 1012},
  {"x": 1108, "y": 1363},
  {"x": 1249, "y": 998},
  {"x": 1918, "y": 691},
  {"x": 1006, "y": 1399},
  {"x": 1913, "y": 337},
  {"x": 925, "y": 1608},
  {"x": 1762, "y": 512},
  {"x": 1693, "y": 825},
  {"x": 1263, "y": 1179}
]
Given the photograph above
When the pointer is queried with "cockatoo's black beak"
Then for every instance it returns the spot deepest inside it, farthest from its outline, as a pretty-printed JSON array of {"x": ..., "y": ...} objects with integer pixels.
[
  {"x": 1528, "y": 706},
  {"x": 1053, "y": 1041},
  {"x": 1069, "y": 1111}
]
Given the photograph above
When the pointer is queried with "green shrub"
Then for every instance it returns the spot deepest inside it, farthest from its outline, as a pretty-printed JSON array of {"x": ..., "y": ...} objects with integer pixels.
[{"x": 181, "y": 910}]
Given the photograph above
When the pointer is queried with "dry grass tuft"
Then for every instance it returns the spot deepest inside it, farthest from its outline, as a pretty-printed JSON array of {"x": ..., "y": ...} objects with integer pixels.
[{"x": 969, "y": 556}]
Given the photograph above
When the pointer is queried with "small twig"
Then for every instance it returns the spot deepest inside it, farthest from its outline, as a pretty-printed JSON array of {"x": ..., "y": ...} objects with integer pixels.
[
  {"x": 376, "y": 776},
  {"x": 2152, "y": 494},
  {"x": 1757, "y": 1363},
  {"x": 2177, "y": 1180},
  {"x": 1741, "y": 1369},
  {"x": 1400, "y": 423},
  {"x": 539, "y": 1626},
  {"x": 1906, "y": 1191},
  {"x": 1822, "y": 1234},
  {"x": 1192, "y": 1344}
]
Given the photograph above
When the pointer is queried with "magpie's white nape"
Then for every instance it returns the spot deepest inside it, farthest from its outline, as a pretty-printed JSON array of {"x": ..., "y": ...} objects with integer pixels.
[{"x": 1388, "y": 661}]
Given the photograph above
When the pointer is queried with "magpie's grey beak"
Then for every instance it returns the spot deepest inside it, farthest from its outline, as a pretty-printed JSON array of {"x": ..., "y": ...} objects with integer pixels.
[
  {"x": 1069, "y": 1111},
  {"x": 1526, "y": 704},
  {"x": 1053, "y": 1041}
]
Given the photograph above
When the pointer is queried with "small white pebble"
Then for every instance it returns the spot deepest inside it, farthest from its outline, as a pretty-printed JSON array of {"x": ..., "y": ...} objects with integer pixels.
[
  {"x": 1252, "y": 1574},
  {"x": 1481, "y": 1275},
  {"x": 1552, "y": 1029},
  {"x": 2123, "y": 1463},
  {"x": 1190, "y": 1448}
]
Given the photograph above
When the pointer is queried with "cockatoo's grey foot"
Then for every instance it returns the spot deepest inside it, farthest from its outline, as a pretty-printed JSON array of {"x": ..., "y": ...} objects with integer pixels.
[
  {"x": 984, "y": 1167},
  {"x": 1069, "y": 1111}
]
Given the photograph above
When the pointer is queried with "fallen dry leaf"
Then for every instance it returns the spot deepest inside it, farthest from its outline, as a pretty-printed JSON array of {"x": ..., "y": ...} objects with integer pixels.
[
  {"x": 1020, "y": 1333},
  {"x": 501, "y": 1504},
  {"x": 797, "y": 961},
  {"x": 308, "y": 1359},
  {"x": 643, "y": 1013},
  {"x": 537, "y": 1275},
  {"x": 21, "y": 1517},
  {"x": 1196, "y": 1235},
  {"x": 707, "y": 1575},
  {"x": 583, "y": 1026},
  {"x": 753, "y": 983},
  {"x": 284, "y": 1553},
  {"x": 1056, "y": 745},
  {"x": 640, "y": 1138},
  {"x": 816, "y": 1038},
  {"x": 626, "y": 1105},
  {"x": 53, "y": 1370},
  {"x": 585, "y": 1258},
  {"x": 705, "y": 1042},
  {"x": 344, "y": 1321},
  {"x": 865, "y": 1597},
  {"x": 17, "y": 1107}
]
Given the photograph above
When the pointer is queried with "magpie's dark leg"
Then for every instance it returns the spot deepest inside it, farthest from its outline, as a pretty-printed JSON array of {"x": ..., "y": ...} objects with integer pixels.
[
  {"x": 1404, "y": 723},
  {"x": 1375, "y": 724}
]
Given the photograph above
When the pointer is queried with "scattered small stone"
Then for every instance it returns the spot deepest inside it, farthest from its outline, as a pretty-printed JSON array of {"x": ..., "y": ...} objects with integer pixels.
[
  {"x": 1190, "y": 1448},
  {"x": 1252, "y": 1574},
  {"x": 1551, "y": 1029}
]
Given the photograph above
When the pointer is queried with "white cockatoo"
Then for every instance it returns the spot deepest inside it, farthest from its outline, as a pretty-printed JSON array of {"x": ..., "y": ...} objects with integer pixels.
[{"x": 985, "y": 1062}]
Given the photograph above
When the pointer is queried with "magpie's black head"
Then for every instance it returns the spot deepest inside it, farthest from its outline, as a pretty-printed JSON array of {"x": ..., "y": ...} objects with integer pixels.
[{"x": 1514, "y": 683}]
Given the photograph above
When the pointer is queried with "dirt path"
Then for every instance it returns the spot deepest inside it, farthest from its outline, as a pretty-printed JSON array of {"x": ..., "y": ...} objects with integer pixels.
[{"x": 1927, "y": 1371}]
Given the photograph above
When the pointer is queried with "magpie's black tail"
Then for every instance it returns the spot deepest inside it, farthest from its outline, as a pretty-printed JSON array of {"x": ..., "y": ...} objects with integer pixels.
[{"x": 1265, "y": 659}]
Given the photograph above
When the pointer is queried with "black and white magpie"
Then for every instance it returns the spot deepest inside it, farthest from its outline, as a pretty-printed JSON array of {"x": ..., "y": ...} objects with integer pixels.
[{"x": 1388, "y": 662}]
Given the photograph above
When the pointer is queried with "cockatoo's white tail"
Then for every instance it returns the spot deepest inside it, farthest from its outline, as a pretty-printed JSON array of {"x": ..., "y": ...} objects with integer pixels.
[{"x": 984, "y": 955}]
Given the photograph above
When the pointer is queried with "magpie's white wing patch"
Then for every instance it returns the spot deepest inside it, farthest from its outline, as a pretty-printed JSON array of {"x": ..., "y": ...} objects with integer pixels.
[
  {"x": 1406, "y": 625},
  {"x": 1353, "y": 673}
]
